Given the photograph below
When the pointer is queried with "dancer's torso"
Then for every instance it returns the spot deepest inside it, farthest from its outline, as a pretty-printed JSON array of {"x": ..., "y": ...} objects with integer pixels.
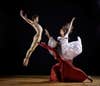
[{"x": 38, "y": 34}]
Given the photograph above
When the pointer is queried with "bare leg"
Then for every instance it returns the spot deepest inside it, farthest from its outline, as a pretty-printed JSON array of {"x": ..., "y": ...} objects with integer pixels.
[
  {"x": 30, "y": 51},
  {"x": 37, "y": 37}
]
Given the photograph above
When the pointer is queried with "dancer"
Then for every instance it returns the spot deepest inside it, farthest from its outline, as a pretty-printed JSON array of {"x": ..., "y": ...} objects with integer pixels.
[
  {"x": 64, "y": 70},
  {"x": 37, "y": 38}
]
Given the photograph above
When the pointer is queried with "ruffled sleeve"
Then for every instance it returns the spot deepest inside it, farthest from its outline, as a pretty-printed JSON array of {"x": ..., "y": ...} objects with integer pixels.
[{"x": 52, "y": 42}]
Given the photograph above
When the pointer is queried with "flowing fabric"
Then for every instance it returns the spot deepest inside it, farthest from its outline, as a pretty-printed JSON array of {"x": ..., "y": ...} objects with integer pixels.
[{"x": 64, "y": 70}]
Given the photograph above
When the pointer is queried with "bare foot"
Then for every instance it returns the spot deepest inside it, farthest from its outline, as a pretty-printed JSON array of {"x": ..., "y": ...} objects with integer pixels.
[
  {"x": 25, "y": 61},
  {"x": 88, "y": 80}
]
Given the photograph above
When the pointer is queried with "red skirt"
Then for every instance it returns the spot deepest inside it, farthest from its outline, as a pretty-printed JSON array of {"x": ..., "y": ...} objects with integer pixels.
[{"x": 64, "y": 71}]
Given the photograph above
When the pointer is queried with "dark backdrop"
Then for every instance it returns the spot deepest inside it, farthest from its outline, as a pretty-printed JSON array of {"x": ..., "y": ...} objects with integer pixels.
[{"x": 16, "y": 35}]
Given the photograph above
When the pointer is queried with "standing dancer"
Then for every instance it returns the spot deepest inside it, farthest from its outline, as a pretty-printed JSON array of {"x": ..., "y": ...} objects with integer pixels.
[
  {"x": 37, "y": 38},
  {"x": 64, "y": 70}
]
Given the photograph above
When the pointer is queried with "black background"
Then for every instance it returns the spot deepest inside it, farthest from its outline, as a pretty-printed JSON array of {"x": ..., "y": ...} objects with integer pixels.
[{"x": 16, "y": 35}]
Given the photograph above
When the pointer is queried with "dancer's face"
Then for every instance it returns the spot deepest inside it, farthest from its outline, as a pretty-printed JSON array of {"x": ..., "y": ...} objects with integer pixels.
[
  {"x": 61, "y": 32},
  {"x": 37, "y": 19}
]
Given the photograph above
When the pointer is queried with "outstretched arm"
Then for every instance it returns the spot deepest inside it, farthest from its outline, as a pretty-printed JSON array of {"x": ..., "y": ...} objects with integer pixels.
[
  {"x": 47, "y": 34},
  {"x": 52, "y": 42},
  {"x": 70, "y": 26}
]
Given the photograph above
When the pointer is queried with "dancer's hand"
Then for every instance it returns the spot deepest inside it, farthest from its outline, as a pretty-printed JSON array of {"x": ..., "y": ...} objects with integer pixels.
[
  {"x": 73, "y": 19},
  {"x": 25, "y": 16},
  {"x": 46, "y": 32},
  {"x": 21, "y": 13},
  {"x": 25, "y": 61}
]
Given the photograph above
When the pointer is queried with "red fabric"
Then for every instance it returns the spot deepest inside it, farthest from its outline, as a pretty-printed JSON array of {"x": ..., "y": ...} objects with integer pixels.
[{"x": 64, "y": 70}]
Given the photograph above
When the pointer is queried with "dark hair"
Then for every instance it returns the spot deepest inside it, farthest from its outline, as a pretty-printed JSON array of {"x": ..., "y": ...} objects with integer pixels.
[
  {"x": 65, "y": 29},
  {"x": 34, "y": 17}
]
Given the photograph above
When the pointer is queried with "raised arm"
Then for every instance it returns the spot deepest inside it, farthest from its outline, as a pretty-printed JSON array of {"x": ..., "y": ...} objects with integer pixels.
[
  {"x": 32, "y": 23},
  {"x": 47, "y": 34},
  {"x": 70, "y": 27},
  {"x": 25, "y": 17}
]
